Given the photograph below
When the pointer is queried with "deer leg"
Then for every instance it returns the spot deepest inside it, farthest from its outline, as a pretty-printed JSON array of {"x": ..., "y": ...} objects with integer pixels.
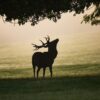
[
  {"x": 34, "y": 71},
  {"x": 50, "y": 68},
  {"x": 38, "y": 71},
  {"x": 44, "y": 72}
]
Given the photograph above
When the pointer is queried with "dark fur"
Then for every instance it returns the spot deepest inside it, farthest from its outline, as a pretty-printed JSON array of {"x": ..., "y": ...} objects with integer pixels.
[{"x": 45, "y": 59}]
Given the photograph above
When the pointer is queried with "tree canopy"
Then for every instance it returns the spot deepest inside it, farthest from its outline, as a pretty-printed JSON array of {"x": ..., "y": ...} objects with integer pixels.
[{"x": 33, "y": 11}]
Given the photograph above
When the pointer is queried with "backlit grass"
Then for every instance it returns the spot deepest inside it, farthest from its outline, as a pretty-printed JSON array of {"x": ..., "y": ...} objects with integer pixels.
[{"x": 73, "y": 82}]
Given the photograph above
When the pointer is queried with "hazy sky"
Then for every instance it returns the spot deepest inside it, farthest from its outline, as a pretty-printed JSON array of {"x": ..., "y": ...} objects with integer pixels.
[
  {"x": 68, "y": 24},
  {"x": 76, "y": 40}
]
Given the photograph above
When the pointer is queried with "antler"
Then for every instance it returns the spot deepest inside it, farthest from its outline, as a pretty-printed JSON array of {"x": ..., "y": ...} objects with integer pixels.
[
  {"x": 36, "y": 46},
  {"x": 43, "y": 44},
  {"x": 47, "y": 39}
]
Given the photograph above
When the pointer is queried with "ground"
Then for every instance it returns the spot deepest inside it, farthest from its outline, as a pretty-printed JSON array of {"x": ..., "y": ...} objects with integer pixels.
[{"x": 73, "y": 82}]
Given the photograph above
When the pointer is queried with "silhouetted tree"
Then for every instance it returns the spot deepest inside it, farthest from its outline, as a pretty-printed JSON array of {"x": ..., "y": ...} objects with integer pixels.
[{"x": 22, "y": 11}]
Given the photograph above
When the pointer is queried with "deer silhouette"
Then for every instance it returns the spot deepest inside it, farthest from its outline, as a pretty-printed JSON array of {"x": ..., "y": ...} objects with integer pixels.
[{"x": 45, "y": 59}]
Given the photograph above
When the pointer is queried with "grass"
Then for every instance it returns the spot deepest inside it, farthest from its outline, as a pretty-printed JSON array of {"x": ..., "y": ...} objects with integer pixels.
[{"x": 73, "y": 82}]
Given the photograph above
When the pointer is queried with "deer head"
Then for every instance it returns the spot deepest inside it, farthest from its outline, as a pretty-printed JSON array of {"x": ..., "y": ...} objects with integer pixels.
[
  {"x": 43, "y": 44},
  {"x": 48, "y": 44}
]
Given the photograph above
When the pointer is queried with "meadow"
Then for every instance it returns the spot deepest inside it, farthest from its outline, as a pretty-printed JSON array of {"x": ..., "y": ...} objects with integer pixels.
[
  {"x": 73, "y": 82},
  {"x": 76, "y": 71}
]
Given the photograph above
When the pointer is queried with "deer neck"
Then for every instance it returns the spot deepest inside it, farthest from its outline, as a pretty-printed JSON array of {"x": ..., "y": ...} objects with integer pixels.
[{"x": 52, "y": 53}]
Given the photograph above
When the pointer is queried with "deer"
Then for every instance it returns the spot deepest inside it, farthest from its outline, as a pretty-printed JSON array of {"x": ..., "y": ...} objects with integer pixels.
[{"x": 45, "y": 59}]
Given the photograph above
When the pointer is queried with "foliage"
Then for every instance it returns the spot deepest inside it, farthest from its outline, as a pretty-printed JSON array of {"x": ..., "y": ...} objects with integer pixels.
[{"x": 22, "y": 11}]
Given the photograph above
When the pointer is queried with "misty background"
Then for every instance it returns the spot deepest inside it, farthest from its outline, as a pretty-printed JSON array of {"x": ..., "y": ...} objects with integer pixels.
[{"x": 79, "y": 43}]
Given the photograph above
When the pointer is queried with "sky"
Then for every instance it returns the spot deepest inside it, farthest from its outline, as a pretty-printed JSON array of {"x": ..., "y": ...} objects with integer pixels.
[
  {"x": 75, "y": 39},
  {"x": 67, "y": 25}
]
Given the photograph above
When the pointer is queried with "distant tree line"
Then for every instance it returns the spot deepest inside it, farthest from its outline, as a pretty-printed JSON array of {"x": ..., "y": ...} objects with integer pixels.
[{"x": 33, "y": 11}]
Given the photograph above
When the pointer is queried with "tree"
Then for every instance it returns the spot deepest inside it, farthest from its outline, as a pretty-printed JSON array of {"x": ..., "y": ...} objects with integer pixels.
[{"x": 33, "y": 11}]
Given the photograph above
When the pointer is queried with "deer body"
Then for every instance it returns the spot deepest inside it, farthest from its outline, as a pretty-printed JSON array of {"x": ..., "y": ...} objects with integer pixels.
[
  {"x": 45, "y": 59},
  {"x": 42, "y": 59}
]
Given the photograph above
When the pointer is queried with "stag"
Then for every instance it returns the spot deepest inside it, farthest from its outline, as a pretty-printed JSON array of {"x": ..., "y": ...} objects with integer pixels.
[{"x": 44, "y": 59}]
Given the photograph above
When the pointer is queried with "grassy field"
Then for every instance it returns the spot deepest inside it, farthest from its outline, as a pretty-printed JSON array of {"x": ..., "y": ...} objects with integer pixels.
[{"x": 73, "y": 82}]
